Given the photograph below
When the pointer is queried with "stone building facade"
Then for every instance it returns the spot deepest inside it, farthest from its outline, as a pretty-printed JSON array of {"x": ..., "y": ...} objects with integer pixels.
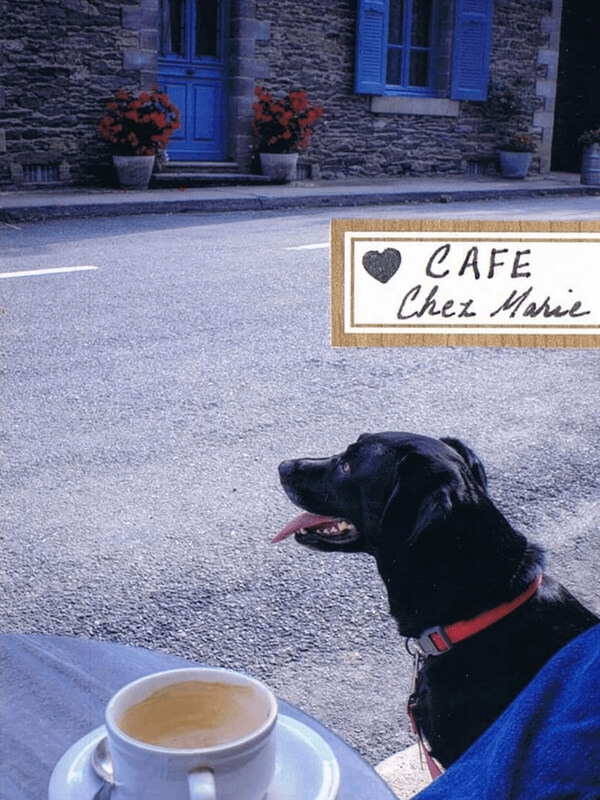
[
  {"x": 61, "y": 60},
  {"x": 363, "y": 134}
]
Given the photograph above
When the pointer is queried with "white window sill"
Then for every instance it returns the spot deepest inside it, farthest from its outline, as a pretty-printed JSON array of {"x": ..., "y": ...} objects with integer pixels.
[{"x": 420, "y": 106}]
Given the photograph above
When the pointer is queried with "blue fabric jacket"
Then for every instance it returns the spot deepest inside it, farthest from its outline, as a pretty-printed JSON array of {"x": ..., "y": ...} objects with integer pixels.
[{"x": 546, "y": 745}]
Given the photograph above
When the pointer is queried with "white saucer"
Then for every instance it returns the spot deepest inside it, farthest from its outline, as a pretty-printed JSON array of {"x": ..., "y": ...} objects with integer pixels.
[{"x": 306, "y": 766}]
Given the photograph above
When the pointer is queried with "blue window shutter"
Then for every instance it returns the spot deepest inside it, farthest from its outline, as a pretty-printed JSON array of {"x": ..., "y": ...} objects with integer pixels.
[
  {"x": 371, "y": 45},
  {"x": 472, "y": 45}
]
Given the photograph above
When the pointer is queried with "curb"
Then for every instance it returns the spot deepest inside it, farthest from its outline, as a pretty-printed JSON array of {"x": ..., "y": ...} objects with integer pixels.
[
  {"x": 405, "y": 773},
  {"x": 33, "y": 213}
]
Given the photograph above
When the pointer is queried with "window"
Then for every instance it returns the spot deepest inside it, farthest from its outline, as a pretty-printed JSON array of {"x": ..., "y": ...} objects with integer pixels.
[
  {"x": 427, "y": 48},
  {"x": 207, "y": 29},
  {"x": 190, "y": 26},
  {"x": 172, "y": 27},
  {"x": 410, "y": 44}
]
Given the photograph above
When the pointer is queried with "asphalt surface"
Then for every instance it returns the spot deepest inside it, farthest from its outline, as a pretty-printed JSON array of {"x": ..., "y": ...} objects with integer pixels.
[{"x": 147, "y": 404}]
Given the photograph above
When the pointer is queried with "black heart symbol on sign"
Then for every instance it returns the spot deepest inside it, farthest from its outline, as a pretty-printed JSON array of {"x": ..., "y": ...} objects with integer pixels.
[{"x": 382, "y": 266}]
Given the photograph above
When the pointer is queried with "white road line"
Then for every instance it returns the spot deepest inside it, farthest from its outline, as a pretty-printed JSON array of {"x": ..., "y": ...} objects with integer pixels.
[
  {"x": 29, "y": 273},
  {"x": 320, "y": 246}
]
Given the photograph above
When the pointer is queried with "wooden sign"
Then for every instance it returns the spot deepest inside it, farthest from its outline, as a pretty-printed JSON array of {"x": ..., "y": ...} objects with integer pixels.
[{"x": 470, "y": 283}]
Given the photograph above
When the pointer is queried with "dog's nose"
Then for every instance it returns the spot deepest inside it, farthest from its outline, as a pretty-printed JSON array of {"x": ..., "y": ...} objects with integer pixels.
[{"x": 285, "y": 469}]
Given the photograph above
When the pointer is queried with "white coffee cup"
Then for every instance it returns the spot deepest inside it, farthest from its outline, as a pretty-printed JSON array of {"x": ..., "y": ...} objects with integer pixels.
[{"x": 242, "y": 766}]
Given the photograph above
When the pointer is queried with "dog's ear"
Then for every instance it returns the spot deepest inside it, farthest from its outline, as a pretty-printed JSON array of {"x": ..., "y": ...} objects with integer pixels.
[
  {"x": 414, "y": 479},
  {"x": 435, "y": 507},
  {"x": 470, "y": 459}
]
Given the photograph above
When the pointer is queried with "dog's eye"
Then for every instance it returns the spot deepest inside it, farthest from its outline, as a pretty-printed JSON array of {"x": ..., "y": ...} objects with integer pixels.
[{"x": 345, "y": 466}]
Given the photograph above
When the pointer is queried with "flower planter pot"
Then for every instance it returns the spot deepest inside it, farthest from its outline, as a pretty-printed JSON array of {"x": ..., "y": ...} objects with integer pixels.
[
  {"x": 514, "y": 164},
  {"x": 279, "y": 166},
  {"x": 590, "y": 165},
  {"x": 134, "y": 172}
]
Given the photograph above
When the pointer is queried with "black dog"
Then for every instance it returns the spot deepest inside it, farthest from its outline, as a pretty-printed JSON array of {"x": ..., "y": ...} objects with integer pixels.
[{"x": 446, "y": 554}]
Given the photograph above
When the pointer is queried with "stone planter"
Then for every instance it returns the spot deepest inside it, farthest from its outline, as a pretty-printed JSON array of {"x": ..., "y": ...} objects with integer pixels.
[
  {"x": 134, "y": 172},
  {"x": 590, "y": 165},
  {"x": 514, "y": 165},
  {"x": 279, "y": 166}
]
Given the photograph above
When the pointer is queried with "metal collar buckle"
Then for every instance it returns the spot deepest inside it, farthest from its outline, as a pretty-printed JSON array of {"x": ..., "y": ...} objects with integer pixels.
[{"x": 433, "y": 642}]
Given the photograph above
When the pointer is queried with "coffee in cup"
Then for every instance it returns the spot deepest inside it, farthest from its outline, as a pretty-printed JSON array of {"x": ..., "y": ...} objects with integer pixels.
[
  {"x": 195, "y": 714},
  {"x": 192, "y": 734}
]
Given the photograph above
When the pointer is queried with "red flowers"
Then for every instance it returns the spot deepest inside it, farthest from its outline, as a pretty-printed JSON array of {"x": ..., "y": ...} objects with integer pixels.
[
  {"x": 139, "y": 125},
  {"x": 282, "y": 126}
]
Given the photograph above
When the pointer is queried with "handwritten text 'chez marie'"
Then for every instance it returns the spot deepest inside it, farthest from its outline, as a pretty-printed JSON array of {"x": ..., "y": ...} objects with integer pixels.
[{"x": 484, "y": 265}]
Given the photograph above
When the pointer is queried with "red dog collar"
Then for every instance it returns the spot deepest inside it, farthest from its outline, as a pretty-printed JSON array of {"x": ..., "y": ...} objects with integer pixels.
[{"x": 439, "y": 639}]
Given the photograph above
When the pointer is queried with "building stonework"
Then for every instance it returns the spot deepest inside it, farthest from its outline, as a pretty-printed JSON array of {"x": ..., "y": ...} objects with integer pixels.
[
  {"x": 246, "y": 70},
  {"x": 60, "y": 61},
  {"x": 58, "y": 65},
  {"x": 547, "y": 76},
  {"x": 354, "y": 137}
]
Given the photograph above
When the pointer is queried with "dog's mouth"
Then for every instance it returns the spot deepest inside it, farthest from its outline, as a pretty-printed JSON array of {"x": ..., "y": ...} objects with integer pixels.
[{"x": 318, "y": 530}]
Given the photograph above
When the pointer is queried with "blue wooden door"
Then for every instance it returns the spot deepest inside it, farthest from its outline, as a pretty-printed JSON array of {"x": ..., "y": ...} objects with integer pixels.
[{"x": 192, "y": 67}]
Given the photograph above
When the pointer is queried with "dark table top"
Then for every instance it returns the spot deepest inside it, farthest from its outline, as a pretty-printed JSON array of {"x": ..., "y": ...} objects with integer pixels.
[{"x": 54, "y": 690}]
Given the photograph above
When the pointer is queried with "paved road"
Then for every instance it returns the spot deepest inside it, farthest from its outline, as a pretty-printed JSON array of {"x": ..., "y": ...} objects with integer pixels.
[{"x": 147, "y": 403}]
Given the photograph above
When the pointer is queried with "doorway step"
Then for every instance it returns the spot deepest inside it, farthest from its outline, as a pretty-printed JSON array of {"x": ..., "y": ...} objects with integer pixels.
[{"x": 175, "y": 174}]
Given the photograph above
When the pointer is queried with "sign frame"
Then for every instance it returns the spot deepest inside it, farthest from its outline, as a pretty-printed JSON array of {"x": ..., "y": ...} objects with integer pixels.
[{"x": 346, "y": 334}]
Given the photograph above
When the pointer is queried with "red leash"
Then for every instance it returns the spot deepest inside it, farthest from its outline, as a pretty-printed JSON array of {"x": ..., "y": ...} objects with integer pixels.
[
  {"x": 434, "y": 769},
  {"x": 441, "y": 638}
]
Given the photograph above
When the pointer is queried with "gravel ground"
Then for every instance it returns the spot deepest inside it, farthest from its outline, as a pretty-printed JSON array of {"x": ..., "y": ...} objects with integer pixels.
[{"x": 148, "y": 404}]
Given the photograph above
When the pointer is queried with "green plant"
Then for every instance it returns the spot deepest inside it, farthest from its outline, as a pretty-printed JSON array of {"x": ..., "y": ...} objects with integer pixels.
[
  {"x": 590, "y": 137},
  {"x": 521, "y": 143},
  {"x": 283, "y": 125},
  {"x": 504, "y": 99},
  {"x": 139, "y": 124}
]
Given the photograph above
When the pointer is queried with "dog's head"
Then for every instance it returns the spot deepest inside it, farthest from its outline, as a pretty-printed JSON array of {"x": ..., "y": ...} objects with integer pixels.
[
  {"x": 383, "y": 481},
  {"x": 420, "y": 506}
]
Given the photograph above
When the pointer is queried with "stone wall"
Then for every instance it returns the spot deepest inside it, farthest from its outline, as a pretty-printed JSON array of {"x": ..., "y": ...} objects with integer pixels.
[
  {"x": 245, "y": 71},
  {"x": 547, "y": 77},
  {"x": 358, "y": 136},
  {"x": 60, "y": 60}
]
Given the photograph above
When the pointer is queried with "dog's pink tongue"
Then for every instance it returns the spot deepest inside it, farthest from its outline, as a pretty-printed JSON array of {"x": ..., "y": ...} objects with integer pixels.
[{"x": 304, "y": 520}]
